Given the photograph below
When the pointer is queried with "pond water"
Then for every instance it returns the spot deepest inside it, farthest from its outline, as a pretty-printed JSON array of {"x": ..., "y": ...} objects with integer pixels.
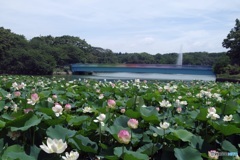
[{"x": 141, "y": 76}]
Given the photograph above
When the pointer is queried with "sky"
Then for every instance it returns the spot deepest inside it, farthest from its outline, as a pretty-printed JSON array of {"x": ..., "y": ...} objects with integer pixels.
[{"x": 152, "y": 26}]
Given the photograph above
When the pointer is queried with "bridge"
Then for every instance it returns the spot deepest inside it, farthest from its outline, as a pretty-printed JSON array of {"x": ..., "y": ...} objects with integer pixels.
[{"x": 141, "y": 68}]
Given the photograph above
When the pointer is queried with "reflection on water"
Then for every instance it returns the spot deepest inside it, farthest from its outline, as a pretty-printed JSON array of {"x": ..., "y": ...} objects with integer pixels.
[
  {"x": 155, "y": 76},
  {"x": 142, "y": 76}
]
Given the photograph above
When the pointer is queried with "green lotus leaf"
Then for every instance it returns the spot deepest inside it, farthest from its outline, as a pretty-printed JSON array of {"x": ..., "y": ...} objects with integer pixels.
[
  {"x": 113, "y": 130},
  {"x": 197, "y": 142},
  {"x": 34, "y": 151},
  {"x": 2, "y": 104},
  {"x": 130, "y": 103},
  {"x": 228, "y": 146},
  {"x": 226, "y": 129},
  {"x": 60, "y": 132},
  {"x": 182, "y": 134},
  {"x": 16, "y": 152},
  {"x": 135, "y": 155},
  {"x": 149, "y": 149},
  {"x": 132, "y": 114},
  {"x": 24, "y": 122},
  {"x": 119, "y": 151},
  {"x": 230, "y": 107},
  {"x": 121, "y": 121},
  {"x": 45, "y": 94},
  {"x": 77, "y": 120},
  {"x": 2, "y": 124},
  {"x": 84, "y": 144},
  {"x": 3, "y": 92},
  {"x": 202, "y": 114},
  {"x": 149, "y": 114},
  {"x": 187, "y": 153}
]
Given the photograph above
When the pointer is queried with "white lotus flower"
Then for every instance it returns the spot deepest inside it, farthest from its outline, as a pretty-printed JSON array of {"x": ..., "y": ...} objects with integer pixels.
[
  {"x": 54, "y": 146},
  {"x": 217, "y": 97},
  {"x": 100, "y": 119},
  {"x": 15, "y": 85},
  {"x": 165, "y": 103},
  {"x": 101, "y": 96},
  {"x": 50, "y": 100},
  {"x": 213, "y": 115},
  {"x": 137, "y": 80},
  {"x": 9, "y": 96},
  {"x": 87, "y": 110},
  {"x": 211, "y": 109},
  {"x": 164, "y": 125},
  {"x": 71, "y": 156},
  {"x": 228, "y": 118},
  {"x": 184, "y": 103}
]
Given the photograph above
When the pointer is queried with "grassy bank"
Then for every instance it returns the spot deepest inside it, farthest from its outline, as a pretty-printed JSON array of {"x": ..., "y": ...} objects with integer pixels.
[{"x": 228, "y": 77}]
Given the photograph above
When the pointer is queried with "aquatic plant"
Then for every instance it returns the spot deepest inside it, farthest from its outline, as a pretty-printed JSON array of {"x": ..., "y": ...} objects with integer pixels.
[{"x": 42, "y": 118}]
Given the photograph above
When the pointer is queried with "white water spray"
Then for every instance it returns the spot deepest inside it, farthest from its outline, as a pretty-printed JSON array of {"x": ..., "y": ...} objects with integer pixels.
[{"x": 180, "y": 58}]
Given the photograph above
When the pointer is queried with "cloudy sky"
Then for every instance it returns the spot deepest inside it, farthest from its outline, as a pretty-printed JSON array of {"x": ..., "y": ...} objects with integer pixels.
[{"x": 152, "y": 26}]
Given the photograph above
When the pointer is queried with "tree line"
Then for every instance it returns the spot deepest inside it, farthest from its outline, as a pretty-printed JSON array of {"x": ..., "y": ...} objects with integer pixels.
[{"x": 41, "y": 55}]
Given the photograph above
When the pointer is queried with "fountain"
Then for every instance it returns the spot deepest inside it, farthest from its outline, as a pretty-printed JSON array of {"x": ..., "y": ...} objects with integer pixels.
[
  {"x": 180, "y": 59},
  {"x": 179, "y": 68}
]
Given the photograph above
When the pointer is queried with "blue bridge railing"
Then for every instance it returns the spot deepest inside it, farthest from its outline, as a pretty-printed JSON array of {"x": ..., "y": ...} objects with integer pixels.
[{"x": 142, "y": 68}]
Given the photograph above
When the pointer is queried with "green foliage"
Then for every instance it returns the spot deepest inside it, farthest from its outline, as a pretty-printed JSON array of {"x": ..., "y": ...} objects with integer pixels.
[
  {"x": 201, "y": 58},
  {"x": 232, "y": 42},
  {"x": 220, "y": 64},
  {"x": 232, "y": 69},
  {"x": 187, "y": 153},
  {"x": 16, "y": 152},
  {"x": 41, "y": 55},
  {"x": 190, "y": 135},
  {"x": 18, "y": 58}
]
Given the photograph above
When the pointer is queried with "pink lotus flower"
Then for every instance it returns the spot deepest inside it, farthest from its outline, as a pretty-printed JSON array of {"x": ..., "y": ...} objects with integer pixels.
[
  {"x": 124, "y": 136},
  {"x": 28, "y": 110},
  {"x": 123, "y": 110},
  {"x": 14, "y": 135},
  {"x": 54, "y": 96},
  {"x": 34, "y": 99},
  {"x": 111, "y": 103},
  {"x": 21, "y": 86},
  {"x": 132, "y": 123},
  {"x": 179, "y": 109},
  {"x": 68, "y": 107},
  {"x": 57, "y": 109},
  {"x": 17, "y": 94},
  {"x": 213, "y": 154}
]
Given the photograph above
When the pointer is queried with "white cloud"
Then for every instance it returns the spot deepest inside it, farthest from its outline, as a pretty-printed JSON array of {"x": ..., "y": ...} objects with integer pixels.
[{"x": 156, "y": 26}]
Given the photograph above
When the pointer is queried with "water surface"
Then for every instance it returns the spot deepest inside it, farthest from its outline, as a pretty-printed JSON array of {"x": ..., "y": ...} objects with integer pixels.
[{"x": 142, "y": 76}]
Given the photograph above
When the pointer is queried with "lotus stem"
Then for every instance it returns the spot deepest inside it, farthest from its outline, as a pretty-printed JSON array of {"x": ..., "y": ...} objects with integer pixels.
[{"x": 122, "y": 151}]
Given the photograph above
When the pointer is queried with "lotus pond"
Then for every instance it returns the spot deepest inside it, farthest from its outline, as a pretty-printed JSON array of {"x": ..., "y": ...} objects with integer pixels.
[{"x": 43, "y": 119}]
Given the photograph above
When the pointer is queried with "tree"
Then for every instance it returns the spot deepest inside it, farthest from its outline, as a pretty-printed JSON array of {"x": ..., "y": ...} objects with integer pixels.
[
  {"x": 220, "y": 64},
  {"x": 232, "y": 42}
]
